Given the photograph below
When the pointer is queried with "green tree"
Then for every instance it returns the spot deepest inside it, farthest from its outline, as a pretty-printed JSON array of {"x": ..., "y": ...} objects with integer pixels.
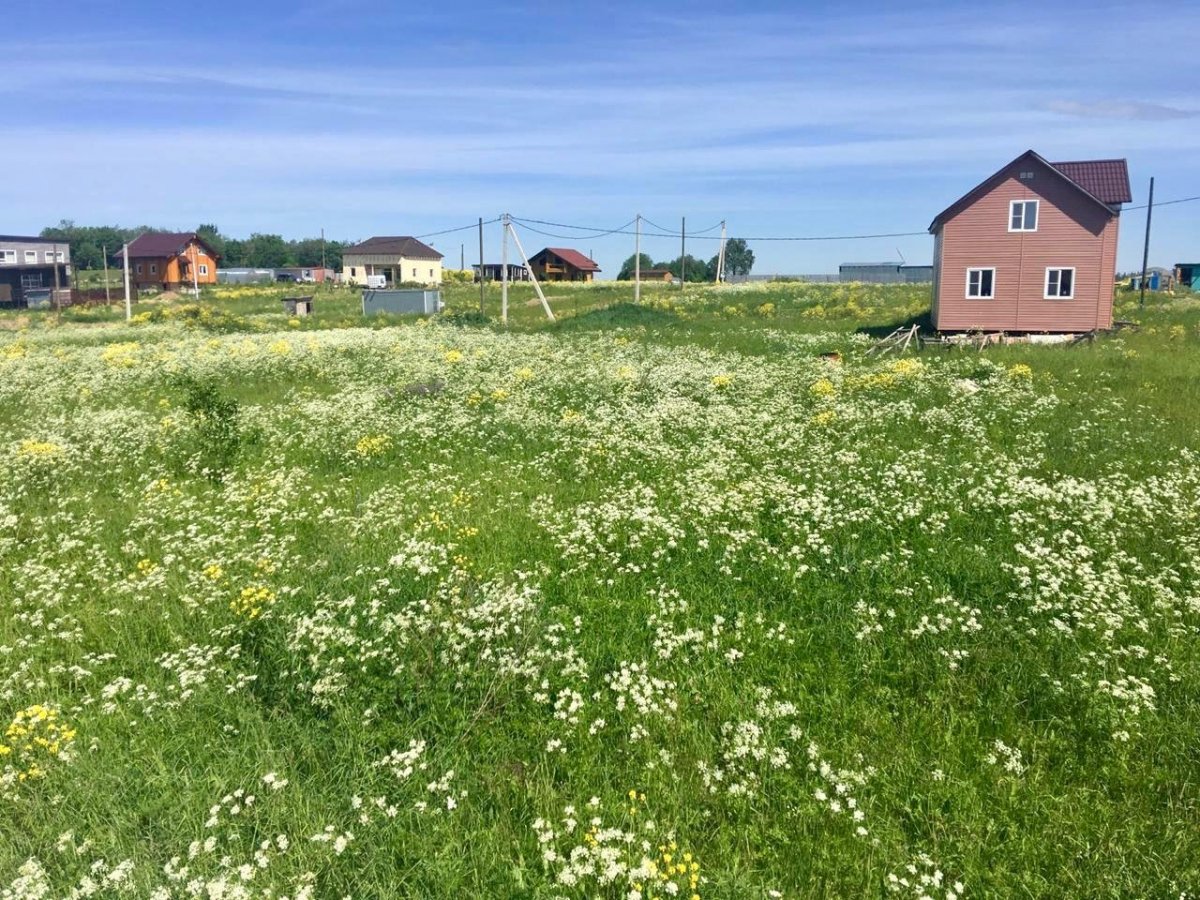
[
  {"x": 627, "y": 267},
  {"x": 213, "y": 237},
  {"x": 739, "y": 258},
  {"x": 268, "y": 251},
  {"x": 697, "y": 269}
]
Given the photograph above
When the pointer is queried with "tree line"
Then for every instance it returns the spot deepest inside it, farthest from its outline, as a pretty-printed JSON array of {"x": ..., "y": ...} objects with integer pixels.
[
  {"x": 259, "y": 251},
  {"x": 739, "y": 260}
]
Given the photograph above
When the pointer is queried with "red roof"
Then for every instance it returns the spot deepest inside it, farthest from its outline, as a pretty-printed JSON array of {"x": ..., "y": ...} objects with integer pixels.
[
  {"x": 156, "y": 245},
  {"x": 573, "y": 258},
  {"x": 1105, "y": 179}
]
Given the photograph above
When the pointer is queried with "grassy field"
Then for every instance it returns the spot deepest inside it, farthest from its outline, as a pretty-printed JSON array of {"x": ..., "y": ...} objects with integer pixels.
[{"x": 655, "y": 601}]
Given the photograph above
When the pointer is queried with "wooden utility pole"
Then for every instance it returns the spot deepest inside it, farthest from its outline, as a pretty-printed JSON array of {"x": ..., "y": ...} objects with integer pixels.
[
  {"x": 57, "y": 304},
  {"x": 504, "y": 269},
  {"x": 107, "y": 295},
  {"x": 637, "y": 261},
  {"x": 1146, "y": 246},
  {"x": 128, "y": 302},
  {"x": 481, "y": 265},
  {"x": 462, "y": 257},
  {"x": 682, "y": 252},
  {"x": 323, "y": 266},
  {"x": 720, "y": 273}
]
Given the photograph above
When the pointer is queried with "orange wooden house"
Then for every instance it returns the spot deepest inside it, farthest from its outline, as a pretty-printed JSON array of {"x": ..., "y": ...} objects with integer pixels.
[{"x": 167, "y": 260}]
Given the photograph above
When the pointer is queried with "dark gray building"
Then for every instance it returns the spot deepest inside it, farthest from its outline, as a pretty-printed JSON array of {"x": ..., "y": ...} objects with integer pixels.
[
  {"x": 31, "y": 268},
  {"x": 885, "y": 273}
]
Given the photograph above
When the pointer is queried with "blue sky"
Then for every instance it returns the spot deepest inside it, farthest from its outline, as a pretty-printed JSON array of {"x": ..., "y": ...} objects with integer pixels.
[{"x": 371, "y": 117}]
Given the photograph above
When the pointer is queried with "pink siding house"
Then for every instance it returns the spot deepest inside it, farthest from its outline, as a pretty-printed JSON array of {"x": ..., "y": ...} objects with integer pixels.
[{"x": 1031, "y": 249}]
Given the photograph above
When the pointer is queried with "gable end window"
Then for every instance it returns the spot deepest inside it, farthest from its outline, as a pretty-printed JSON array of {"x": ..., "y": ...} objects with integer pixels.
[
  {"x": 1023, "y": 215},
  {"x": 203, "y": 269},
  {"x": 1060, "y": 284},
  {"x": 981, "y": 284}
]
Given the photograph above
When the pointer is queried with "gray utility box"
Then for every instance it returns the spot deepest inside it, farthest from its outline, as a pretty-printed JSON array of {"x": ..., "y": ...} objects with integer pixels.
[{"x": 421, "y": 303}]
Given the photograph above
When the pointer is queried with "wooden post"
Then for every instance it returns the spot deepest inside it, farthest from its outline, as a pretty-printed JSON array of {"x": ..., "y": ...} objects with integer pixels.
[
  {"x": 481, "y": 265},
  {"x": 1146, "y": 246},
  {"x": 682, "y": 253},
  {"x": 128, "y": 302},
  {"x": 504, "y": 268},
  {"x": 54, "y": 262},
  {"x": 107, "y": 294},
  {"x": 637, "y": 261}
]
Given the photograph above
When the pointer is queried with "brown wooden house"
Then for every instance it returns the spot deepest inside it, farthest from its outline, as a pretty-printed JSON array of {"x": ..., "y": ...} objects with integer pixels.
[
  {"x": 1031, "y": 249},
  {"x": 562, "y": 264},
  {"x": 167, "y": 260},
  {"x": 658, "y": 275}
]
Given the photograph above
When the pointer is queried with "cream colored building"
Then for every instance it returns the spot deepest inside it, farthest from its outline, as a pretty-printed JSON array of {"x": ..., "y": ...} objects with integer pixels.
[{"x": 397, "y": 259}]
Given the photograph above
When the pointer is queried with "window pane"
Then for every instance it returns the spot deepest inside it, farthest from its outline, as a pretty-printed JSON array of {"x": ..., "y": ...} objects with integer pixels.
[
  {"x": 1052, "y": 283},
  {"x": 986, "y": 283},
  {"x": 1016, "y": 217},
  {"x": 973, "y": 282},
  {"x": 1031, "y": 209},
  {"x": 1064, "y": 283}
]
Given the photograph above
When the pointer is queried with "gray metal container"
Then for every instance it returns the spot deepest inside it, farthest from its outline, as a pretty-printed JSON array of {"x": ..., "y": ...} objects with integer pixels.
[{"x": 421, "y": 303}]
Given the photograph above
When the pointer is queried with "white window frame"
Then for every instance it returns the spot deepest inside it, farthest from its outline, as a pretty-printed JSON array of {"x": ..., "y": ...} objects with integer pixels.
[
  {"x": 1046, "y": 295},
  {"x": 31, "y": 257},
  {"x": 967, "y": 290},
  {"x": 137, "y": 268},
  {"x": 49, "y": 256},
  {"x": 8, "y": 257},
  {"x": 1037, "y": 215},
  {"x": 153, "y": 268},
  {"x": 203, "y": 269}
]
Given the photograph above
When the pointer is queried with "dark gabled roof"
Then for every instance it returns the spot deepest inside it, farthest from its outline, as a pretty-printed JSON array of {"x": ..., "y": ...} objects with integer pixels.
[
  {"x": 22, "y": 239},
  {"x": 1109, "y": 176},
  {"x": 572, "y": 258},
  {"x": 155, "y": 245},
  {"x": 393, "y": 246},
  {"x": 1105, "y": 179}
]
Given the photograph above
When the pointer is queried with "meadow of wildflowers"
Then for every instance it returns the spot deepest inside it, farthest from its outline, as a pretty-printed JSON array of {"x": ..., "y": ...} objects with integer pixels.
[{"x": 656, "y": 603}]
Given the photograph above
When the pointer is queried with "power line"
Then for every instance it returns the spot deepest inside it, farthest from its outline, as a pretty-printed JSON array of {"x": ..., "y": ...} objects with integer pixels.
[
  {"x": 598, "y": 232},
  {"x": 473, "y": 225},
  {"x": 1165, "y": 203}
]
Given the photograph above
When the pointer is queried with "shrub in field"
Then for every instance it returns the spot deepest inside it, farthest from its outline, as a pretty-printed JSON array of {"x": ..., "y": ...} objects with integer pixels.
[{"x": 216, "y": 436}]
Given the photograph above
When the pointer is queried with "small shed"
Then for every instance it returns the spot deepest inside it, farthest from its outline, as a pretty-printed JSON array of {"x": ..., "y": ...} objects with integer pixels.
[
  {"x": 1188, "y": 275},
  {"x": 658, "y": 275}
]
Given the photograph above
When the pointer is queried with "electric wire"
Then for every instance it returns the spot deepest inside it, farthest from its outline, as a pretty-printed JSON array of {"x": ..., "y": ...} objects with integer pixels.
[
  {"x": 453, "y": 230},
  {"x": 593, "y": 232}
]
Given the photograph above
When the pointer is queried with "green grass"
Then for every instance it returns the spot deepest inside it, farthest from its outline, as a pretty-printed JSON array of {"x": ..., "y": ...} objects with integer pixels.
[{"x": 663, "y": 548}]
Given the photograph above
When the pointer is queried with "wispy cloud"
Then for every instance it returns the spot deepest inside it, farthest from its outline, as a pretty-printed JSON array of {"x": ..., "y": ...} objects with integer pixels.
[{"x": 1120, "y": 109}]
